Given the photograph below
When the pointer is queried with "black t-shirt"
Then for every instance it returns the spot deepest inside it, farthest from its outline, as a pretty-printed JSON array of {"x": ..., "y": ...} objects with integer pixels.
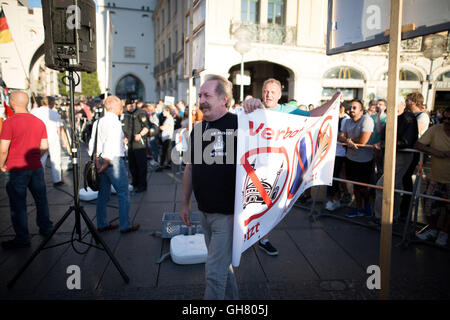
[{"x": 213, "y": 157}]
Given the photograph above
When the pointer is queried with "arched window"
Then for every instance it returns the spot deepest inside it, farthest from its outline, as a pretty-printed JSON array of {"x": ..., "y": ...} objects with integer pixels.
[
  {"x": 444, "y": 77},
  {"x": 130, "y": 87},
  {"x": 404, "y": 75},
  {"x": 343, "y": 73}
]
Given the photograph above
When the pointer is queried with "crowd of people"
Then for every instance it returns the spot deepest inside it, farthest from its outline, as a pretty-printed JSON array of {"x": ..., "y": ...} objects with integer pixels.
[
  {"x": 131, "y": 133},
  {"x": 360, "y": 158}
]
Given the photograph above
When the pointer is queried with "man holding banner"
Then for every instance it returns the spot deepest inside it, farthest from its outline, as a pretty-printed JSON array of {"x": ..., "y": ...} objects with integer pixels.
[
  {"x": 211, "y": 174},
  {"x": 237, "y": 205},
  {"x": 271, "y": 95}
]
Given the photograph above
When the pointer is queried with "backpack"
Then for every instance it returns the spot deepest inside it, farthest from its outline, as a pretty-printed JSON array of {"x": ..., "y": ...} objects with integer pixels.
[{"x": 91, "y": 178}]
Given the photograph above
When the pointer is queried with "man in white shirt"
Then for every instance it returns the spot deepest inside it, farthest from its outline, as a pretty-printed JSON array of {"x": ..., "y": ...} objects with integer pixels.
[
  {"x": 167, "y": 130},
  {"x": 55, "y": 132},
  {"x": 111, "y": 166}
]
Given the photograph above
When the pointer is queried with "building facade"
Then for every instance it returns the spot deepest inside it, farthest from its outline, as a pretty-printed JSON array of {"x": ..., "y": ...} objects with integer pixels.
[
  {"x": 168, "y": 21},
  {"x": 125, "y": 48},
  {"x": 287, "y": 41},
  {"x": 22, "y": 64}
]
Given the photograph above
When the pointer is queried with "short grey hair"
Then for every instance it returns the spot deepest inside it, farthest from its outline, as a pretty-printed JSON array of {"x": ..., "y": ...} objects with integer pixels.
[
  {"x": 224, "y": 87},
  {"x": 272, "y": 80}
]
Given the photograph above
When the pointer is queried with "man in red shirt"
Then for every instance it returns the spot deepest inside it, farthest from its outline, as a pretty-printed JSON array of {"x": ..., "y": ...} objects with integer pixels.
[{"x": 22, "y": 142}]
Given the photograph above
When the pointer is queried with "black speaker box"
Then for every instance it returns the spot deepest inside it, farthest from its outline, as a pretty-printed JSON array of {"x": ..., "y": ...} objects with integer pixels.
[{"x": 70, "y": 35}]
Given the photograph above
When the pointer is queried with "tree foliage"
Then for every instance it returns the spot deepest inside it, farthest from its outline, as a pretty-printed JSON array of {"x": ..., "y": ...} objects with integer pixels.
[{"x": 89, "y": 85}]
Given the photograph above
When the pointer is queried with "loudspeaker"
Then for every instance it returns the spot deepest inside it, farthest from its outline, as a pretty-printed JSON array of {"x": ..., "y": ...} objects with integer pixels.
[{"x": 70, "y": 35}]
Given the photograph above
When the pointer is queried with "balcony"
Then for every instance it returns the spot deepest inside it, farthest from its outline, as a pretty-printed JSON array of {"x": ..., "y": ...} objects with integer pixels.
[{"x": 271, "y": 34}]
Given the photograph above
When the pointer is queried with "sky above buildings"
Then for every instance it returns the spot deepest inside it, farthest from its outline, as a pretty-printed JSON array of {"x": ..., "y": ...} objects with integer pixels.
[
  {"x": 37, "y": 3},
  {"x": 34, "y": 3}
]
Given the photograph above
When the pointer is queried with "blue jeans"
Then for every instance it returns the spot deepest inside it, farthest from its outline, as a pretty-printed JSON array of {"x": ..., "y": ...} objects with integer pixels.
[
  {"x": 17, "y": 183},
  {"x": 117, "y": 176},
  {"x": 220, "y": 280},
  {"x": 155, "y": 148}
]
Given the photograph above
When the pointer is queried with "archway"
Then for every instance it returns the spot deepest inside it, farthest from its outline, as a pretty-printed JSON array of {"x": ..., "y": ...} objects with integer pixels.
[
  {"x": 345, "y": 79},
  {"x": 130, "y": 87},
  {"x": 442, "y": 96},
  {"x": 43, "y": 80},
  {"x": 258, "y": 72}
]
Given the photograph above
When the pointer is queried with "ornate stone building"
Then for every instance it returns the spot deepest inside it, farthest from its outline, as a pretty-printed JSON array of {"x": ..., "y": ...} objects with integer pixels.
[
  {"x": 22, "y": 61},
  {"x": 287, "y": 40}
]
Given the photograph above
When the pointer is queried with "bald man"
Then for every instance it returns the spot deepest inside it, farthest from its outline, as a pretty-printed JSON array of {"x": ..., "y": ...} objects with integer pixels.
[
  {"x": 111, "y": 164},
  {"x": 23, "y": 141}
]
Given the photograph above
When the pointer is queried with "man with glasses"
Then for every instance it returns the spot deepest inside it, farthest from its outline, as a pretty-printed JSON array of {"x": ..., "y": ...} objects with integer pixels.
[{"x": 359, "y": 163}]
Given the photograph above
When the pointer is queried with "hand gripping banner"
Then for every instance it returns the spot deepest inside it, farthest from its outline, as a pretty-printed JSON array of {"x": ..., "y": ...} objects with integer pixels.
[{"x": 279, "y": 156}]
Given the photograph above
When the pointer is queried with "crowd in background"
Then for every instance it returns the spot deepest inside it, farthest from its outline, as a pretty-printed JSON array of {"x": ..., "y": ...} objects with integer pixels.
[{"x": 359, "y": 155}]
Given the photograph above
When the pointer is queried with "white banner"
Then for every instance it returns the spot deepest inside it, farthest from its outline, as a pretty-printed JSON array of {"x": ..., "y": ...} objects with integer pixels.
[{"x": 279, "y": 156}]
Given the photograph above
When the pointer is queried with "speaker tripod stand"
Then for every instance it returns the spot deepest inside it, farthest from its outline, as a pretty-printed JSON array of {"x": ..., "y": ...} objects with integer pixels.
[{"x": 75, "y": 208}]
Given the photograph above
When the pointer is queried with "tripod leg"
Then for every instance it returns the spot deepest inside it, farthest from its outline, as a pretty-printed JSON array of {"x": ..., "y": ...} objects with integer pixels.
[
  {"x": 98, "y": 239},
  {"x": 41, "y": 246}
]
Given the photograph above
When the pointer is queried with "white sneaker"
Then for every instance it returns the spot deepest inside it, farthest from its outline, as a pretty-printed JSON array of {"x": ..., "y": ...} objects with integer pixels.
[
  {"x": 442, "y": 239},
  {"x": 154, "y": 163},
  {"x": 427, "y": 235},
  {"x": 336, "y": 204},
  {"x": 329, "y": 206},
  {"x": 333, "y": 205}
]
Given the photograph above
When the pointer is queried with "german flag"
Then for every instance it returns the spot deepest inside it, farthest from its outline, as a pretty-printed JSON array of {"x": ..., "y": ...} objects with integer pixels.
[{"x": 5, "y": 34}]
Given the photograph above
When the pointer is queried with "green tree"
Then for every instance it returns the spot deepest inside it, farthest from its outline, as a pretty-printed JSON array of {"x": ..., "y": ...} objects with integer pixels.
[
  {"x": 89, "y": 84},
  {"x": 62, "y": 87}
]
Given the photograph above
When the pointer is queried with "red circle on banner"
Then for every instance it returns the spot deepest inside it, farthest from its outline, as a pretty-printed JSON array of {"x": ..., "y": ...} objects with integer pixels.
[{"x": 257, "y": 182}]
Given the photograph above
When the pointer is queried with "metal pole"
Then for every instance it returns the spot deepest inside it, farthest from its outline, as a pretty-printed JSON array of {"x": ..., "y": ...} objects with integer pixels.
[
  {"x": 107, "y": 57},
  {"x": 242, "y": 78},
  {"x": 430, "y": 84}
]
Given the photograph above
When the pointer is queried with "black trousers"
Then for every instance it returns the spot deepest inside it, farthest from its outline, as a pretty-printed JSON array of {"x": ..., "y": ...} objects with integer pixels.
[
  {"x": 165, "y": 153},
  {"x": 408, "y": 185},
  {"x": 338, "y": 164},
  {"x": 137, "y": 162}
]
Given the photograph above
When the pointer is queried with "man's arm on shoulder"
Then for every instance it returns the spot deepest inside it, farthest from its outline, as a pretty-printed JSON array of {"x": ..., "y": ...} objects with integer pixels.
[{"x": 4, "y": 149}]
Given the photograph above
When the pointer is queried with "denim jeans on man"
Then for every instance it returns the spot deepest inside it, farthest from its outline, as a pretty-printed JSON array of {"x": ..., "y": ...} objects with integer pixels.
[
  {"x": 17, "y": 183},
  {"x": 220, "y": 280},
  {"x": 115, "y": 175},
  {"x": 155, "y": 148}
]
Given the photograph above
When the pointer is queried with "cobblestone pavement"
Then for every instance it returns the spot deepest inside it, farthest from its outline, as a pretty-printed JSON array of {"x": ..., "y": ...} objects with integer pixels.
[{"x": 322, "y": 259}]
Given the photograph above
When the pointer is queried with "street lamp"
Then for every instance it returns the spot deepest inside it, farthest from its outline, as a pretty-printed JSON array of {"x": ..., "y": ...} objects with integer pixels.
[
  {"x": 242, "y": 46},
  {"x": 433, "y": 48}
]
